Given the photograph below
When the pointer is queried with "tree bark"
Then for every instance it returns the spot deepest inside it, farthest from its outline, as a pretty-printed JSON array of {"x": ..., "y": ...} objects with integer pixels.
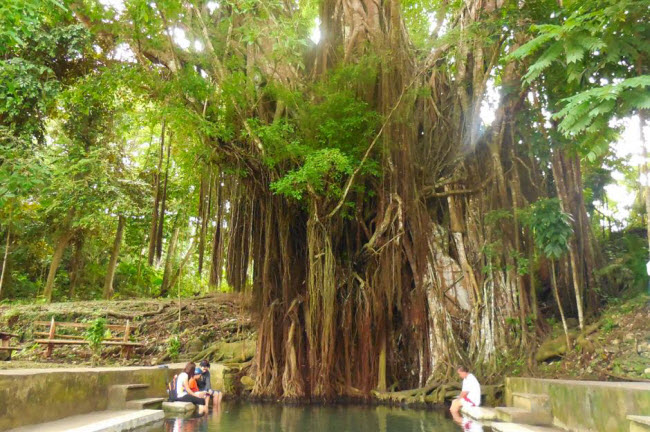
[
  {"x": 205, "y": 202},
  {"x": 112, "y": 264},
  {"x": 645, "y": 172},
  {"x": 76, "y": 265},
  {"x": 182, "y": 264},
  {"x": 161, "y": 217},
  {"x": 154, "y": 215},
  {"x": 217, "y": 251},
  {"x": 61, "y": 244},
  {"x": 560, "y": 175},
  {"x": 381, "y": 379},
  {"x": 4, "y": 259},
  {"x": 169, "y": 260},
  {"x": 556, "y": 293}
]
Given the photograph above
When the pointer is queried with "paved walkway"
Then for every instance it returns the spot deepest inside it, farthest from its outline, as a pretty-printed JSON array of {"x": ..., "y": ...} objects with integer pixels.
[{"x": 100, "y": 421}]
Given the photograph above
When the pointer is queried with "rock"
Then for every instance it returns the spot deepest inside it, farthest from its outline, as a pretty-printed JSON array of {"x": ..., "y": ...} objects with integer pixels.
[
  {"x": 629, "y": 336},
  {"x": 247, "y": 382},
  {"x": 551, "y": 348},
  {"x": 239, "y": 351},
  {"x": 194, "y": 345},
  {"x": 616, "y": 342},
  {"x": 647, "y": 371},
  {"x": 178, "y": 407},
  {"x": 229, "y": 352}
]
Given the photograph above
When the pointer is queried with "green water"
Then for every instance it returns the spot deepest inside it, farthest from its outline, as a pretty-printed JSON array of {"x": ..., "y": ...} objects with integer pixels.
[{"x": 245, "y": 417}]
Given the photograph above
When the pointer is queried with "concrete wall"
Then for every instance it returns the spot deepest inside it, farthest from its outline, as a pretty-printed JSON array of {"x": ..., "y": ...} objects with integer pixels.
[
  {"x": 587, "y": 405},
  {"x": 40, "y": 395}
]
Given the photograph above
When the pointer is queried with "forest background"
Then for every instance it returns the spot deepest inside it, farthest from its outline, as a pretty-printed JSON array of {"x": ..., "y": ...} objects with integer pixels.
[{"x": 398, "y": 185}]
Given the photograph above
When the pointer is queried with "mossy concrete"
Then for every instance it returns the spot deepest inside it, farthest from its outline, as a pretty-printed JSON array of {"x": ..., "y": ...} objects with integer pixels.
[
  {"x": 37, "y": 396},
  {"x": 587, "y": 405},
  {"x": 639, "y": 423}
]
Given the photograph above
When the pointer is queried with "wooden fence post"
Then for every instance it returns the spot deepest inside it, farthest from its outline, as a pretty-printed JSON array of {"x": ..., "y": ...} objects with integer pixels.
[
  {"x": 126, "y": 349},
  {"x": 50, "y": 346}
]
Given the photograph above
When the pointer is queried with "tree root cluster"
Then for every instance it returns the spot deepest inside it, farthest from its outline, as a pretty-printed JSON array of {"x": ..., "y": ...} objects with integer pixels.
[{"x": 436, "y": 393}]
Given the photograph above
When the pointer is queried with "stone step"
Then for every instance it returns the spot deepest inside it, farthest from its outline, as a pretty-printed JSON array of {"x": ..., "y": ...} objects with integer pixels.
[
  {"x": 639, "y": 423},
  {"x": 514, "y": 427},
  {"x": 531, "y": 401},
  {"x": 148, "y": 403},
  {"x": 479, "y": 413},
  {"x": 178, "y": 407},
  {"x": 119, "y": 394},
  {"x": 523, "y": 416}
]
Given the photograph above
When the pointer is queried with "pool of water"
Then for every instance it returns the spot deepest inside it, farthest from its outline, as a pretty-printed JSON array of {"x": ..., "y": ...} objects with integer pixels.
[{"x": 245, "y": 417}]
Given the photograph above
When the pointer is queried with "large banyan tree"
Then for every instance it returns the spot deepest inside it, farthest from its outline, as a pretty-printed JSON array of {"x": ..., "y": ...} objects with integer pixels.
[{"x": 377, "y": 220}]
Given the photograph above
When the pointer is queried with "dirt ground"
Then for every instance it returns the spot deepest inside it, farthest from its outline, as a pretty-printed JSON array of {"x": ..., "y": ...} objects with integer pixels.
[
  {"x": 169, "y": 331},
  {"x": 615, "y": 347}
]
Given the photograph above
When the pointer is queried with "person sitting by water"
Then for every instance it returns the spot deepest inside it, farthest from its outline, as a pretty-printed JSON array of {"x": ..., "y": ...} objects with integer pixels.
[
  {"x": 205, "y": 385},
  {"x": 470, "y": 394},
  {"x": 184, "y": 393},
  {"x": 194, "y": 382}
]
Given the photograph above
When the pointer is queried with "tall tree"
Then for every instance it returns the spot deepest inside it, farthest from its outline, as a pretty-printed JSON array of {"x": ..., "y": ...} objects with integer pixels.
[
  {"x": 112, "y": 264},
  {"x": 153, "y": 233}
]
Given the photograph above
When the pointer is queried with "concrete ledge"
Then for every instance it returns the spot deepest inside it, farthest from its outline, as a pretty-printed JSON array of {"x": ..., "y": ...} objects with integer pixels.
[
  {"x": 586, "y": 405},
  {"x": 102, "y": 421},
  {"x": 45, "y": 395},
  {"x": 479, "y": 413},
  {"x": 178, "y": 407},
  {"x": 639, "y": 423},
  {"x": 515, "y": 427}
]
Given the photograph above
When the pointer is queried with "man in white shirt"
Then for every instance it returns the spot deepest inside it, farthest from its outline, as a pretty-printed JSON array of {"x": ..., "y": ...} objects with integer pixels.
[{"x": 470, "y": 394}]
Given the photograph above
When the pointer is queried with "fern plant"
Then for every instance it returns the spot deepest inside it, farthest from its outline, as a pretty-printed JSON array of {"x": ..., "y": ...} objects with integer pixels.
[
  {"x": 598, "y": 47},
  {"x": 95, "y": 335},
  {"x": 551, "y": 229},
  {"x": 173, "y": 347}
]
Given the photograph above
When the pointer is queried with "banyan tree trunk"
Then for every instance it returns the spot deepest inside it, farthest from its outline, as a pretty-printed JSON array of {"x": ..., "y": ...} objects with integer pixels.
[
  {"x": 413, "y": 276},
  {"x": 216, "y": 266}
]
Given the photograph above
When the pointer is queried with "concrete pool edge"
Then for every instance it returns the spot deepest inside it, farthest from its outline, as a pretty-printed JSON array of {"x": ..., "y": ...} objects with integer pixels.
[
  {"x": 44, "y": 395},
  {"x": 103, "y": 421},
  {"x": 599, "y": 406}
]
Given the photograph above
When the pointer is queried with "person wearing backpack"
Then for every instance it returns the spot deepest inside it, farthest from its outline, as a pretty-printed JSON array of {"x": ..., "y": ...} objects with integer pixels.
[
  {"x": 171, "y": 389},
  {"x": 185, "y": 394}
]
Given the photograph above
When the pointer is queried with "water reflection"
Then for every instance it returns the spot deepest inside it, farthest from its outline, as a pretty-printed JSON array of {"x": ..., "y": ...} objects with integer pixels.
[
  {"x": 467, "y": 424},
  {"x": 234, "y": 416}
]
